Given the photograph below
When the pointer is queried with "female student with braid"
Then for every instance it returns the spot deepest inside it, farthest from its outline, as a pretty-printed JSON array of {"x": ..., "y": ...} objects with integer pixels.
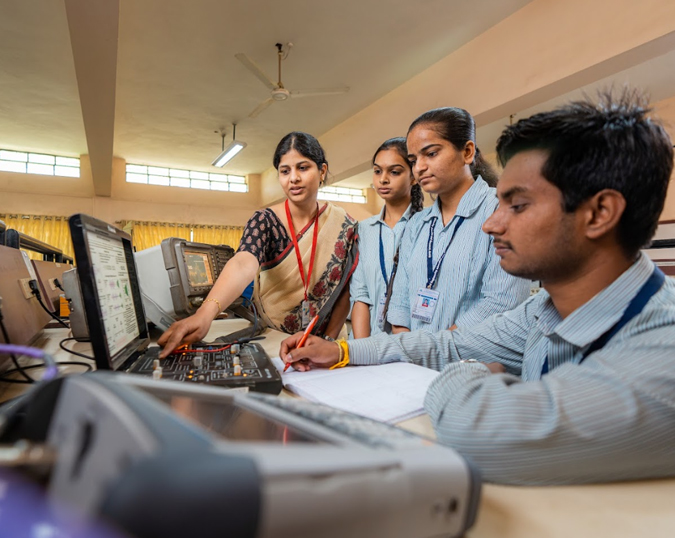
[{"x": 380, "y": 238}]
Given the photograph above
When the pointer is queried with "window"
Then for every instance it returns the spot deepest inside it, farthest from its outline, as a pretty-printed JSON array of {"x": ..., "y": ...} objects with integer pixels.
[
  {"x": 187, "y": 179},
  {"x": 342, "y": 194},
  {"x": 39, "y": 163}
]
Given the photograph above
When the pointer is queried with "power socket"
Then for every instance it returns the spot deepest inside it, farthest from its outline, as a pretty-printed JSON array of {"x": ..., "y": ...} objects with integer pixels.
[
  {"x": 25, "y": 287},
  {"x": 52, "y": 285}
]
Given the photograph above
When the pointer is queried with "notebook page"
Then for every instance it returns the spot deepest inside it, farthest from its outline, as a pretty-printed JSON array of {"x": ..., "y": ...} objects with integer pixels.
[{"x": 388, "y": 392}]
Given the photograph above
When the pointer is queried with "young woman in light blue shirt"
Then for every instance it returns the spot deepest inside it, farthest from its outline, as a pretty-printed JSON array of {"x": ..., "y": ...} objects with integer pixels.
[
  {"x": 449, "y": 274},
  {"x": 380, "y": 237}
]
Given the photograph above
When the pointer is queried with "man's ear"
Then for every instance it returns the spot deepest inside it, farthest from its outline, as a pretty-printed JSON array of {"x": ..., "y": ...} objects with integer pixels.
[{"x": 603, "y": 212}]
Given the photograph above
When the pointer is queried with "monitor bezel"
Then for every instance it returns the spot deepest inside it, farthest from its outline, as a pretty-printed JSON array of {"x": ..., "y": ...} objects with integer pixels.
[{"x": 79, "y": 225}]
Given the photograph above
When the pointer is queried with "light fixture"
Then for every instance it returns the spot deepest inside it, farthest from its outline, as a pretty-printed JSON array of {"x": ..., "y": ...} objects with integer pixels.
[{"x": 230, "y": 151}]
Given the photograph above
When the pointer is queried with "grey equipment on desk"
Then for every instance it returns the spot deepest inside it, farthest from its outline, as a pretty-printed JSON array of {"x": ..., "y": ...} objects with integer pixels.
[
  {"x": 161, "y": 458},
  {"x": 176, "y": 276}
]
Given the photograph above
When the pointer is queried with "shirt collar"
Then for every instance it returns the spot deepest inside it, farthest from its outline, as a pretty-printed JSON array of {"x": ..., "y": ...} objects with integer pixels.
[
  {"x": 594, "y": 318},
  {"x": 380, "y": 219},
  {"x": 468, "y": 205}
]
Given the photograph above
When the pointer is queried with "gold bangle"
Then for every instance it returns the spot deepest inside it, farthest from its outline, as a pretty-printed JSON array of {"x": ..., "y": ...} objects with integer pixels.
[
  {"x": 344, "y": 354},
  {"x": 220, "y": 308}
]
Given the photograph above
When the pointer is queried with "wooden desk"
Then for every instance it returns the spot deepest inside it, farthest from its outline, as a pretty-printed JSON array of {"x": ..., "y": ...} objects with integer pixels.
[{"x": 624, "y": 510}]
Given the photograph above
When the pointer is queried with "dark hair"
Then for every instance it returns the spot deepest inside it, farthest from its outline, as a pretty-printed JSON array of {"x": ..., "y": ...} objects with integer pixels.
[
  {"x": 398, "y": 144},
  {"x": 303, "y": 143},
  {"x": 609, "y": 145},
  {"x": 456, "y": 126}
]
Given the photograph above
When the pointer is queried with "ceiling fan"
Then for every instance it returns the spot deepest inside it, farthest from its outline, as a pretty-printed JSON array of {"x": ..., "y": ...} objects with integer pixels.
[{"x": 279, "y": 92}]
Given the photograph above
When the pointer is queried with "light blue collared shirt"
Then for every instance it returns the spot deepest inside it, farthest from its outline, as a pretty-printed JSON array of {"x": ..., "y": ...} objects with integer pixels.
[
  {"x": 471, "y": 283},
  {"x": 367, "y": 285},
  {"x": 610, "y": 417}
]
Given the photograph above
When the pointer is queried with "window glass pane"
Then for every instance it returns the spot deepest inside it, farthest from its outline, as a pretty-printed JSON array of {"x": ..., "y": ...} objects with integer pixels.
[
  {"x": 12, "y": 166},
  {"x": 234, "y": 187},
  {"x": 200, "y": 184},
  {"x": 180, "y": 182},
  {"x": 137, "y": 169},
  {"x": 360, "y": 199},
  {"x": 137, "y": 178},
  {"x": 13, "y": 155},
  {"x": 344, "y": 198},
  {"x": 43, "y": 169},
  {"x": 236, "y": 179},
  {"x": 199, "y": 175},
  {"x": 173, "y": 172},
  {"x": 156, "y": 171},
  {"x": 67, "y": 161},
  {"x": 67, "y": 171},
  {"x": 217, "y": 177},
  {"x": 159, "y": 180},
  {"x": 41, "y": 159},
  {"x": 216, "y": 186}
]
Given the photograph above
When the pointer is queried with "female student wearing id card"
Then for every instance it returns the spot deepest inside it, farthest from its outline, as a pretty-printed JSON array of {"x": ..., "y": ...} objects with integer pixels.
[
  {"x": 299, "y": 253},
  {"x": 380, "y": 238},
  {"x": 449, "y": 274}
]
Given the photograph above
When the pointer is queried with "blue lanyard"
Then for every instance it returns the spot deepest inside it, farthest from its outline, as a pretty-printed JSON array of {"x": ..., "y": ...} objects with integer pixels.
[
  {"x": 432, "y": 272},
  {"x": 382, "y": 266},
  {"x": 646, "y": 292}
]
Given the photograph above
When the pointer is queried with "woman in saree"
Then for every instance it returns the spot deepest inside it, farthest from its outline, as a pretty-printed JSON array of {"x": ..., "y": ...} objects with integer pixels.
[{"x": 300, "y": 254}]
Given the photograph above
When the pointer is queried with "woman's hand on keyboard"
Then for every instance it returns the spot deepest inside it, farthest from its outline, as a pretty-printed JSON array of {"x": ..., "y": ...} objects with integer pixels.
[
  {"x": 185, "y": 331},
  {"x": 316, "y": 353}
]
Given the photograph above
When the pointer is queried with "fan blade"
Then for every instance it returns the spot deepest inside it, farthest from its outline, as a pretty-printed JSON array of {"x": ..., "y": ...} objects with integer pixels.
[
  {"x": 319, "y": 91},
  {"x": 262, "y": 106},
  {"x": 253, "y": 68}
]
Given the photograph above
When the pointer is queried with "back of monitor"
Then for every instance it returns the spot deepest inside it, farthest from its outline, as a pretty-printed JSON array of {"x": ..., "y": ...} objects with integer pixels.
[{"x": 22, "y": 315}]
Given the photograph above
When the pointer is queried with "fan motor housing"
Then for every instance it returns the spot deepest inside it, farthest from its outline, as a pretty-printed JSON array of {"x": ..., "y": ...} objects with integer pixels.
[{"x": 280, "y": 94}]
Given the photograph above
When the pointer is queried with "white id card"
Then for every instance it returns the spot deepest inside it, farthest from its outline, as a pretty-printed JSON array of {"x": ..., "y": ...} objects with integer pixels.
[
  {"x": 380, "y": 311},
  {"x": 425, "y": 305},
  {"x": 305, "y": 314}
]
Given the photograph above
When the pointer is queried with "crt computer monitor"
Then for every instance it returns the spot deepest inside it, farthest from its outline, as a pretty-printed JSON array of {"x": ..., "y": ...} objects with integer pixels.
[{"x": 110, "y": 291}]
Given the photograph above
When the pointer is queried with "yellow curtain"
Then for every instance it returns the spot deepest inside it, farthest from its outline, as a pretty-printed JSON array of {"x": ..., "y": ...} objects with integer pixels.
[
  {"x": 149, "y": 234},
  {"x": 51, "y": 230},
  {"x": 217, "y": 235}
]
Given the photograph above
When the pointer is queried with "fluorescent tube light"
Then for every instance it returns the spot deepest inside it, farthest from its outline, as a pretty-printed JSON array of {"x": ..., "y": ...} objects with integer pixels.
[{"x": 228, "y": 153}]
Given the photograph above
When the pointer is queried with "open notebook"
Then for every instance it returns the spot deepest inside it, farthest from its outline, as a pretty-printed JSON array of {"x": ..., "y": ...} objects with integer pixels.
[{"x": 389, "y": 392}]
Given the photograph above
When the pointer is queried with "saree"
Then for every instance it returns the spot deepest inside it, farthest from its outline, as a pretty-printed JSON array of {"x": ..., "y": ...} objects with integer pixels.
[{"x": 279, "y": 290}]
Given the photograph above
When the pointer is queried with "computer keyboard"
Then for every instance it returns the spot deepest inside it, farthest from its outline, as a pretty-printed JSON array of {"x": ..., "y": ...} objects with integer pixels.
[
  {"x": 362, "y": 429},
  {"x": 245, "y": 365}
]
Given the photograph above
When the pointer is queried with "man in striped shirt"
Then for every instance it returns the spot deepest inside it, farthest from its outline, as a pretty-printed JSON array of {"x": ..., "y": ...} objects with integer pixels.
[{"x": 577, "y": 384}]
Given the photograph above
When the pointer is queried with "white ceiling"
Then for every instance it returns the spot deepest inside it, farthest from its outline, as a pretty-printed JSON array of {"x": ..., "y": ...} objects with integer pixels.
[{"x": 178, "y": 80}]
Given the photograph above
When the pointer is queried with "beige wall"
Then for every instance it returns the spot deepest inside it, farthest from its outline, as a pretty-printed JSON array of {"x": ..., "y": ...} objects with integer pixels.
[
  {"x": 665, "y": 110},
  {"x": 49, "y": 195}
]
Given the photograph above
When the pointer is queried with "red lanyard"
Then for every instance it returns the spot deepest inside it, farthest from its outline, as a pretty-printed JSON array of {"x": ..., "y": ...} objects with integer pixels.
[{"x": 297, "y": 249}]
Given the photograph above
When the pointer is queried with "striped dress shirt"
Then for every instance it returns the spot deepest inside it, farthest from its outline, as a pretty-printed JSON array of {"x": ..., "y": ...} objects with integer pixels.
[
  {"x": 610, "y": 417},
  {"x": 471, "y": 284},
  {"x": 367, "y": 284}
]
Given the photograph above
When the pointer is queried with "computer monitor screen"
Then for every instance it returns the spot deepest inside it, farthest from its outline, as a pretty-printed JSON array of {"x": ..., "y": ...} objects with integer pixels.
[
  {"x": 113, "y": 288},
  {"x": 199, "y": 268},
  {"x": 111, "y": 294}
]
